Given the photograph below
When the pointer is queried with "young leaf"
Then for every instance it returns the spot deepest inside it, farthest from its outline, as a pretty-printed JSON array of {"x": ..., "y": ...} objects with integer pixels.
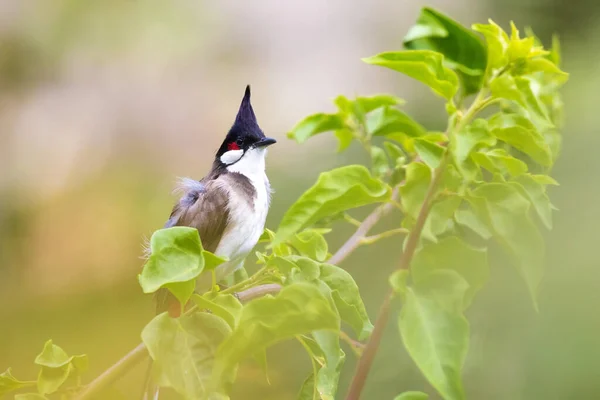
[
  {"x": 51, "y": 379},
  {"x": 52, "y": 356},
  {"x": 430, "y": 153},
  {"x": 222, "y": 305},
  {"x": 440, "y": 217},
  {"x": 328, "y": 350},
  {"x": 436, "y": 340},
  {"x": 506, "y": 214},
  {"x": 308, "y": 390},
  {"x": 298, "y": 309},
  {"x": 520, "y": 133},
  {"x": 423, "y": 65},
  {"x": 315, "y": 124},
  {"x": 30, "y": 396},
  {"x": 467, "y": 217},
  {"x": 497, "y": 44},
  {"x": 335, "y": 191},
  {"x": 463, "y": 51},
  {"x": 536, "y": 193},
  {"x": 389, "y": 121},
  {"x": 361, "y": 106},
  {"x": 379, "y": 161},
  {"x": 183, "y": 351},
  {"x": 176, "y": 257},
  {"x": 347, "y": 299},
  {"x": 8, "y": 383},
  {"x": 452, "y": 253},
  {"x": 412, "y": 396},
  {"x": 498, "y": 160},
  {"x": 310, "y": 243},
  {"x": 412, "y": 193}
]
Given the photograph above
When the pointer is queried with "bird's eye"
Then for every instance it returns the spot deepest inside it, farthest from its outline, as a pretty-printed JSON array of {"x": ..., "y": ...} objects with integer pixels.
[{"x": 239, "y": 142}]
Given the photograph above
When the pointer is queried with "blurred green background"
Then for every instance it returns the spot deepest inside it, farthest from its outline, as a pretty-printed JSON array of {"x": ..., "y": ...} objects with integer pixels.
[{"x": 104, "y": 103}]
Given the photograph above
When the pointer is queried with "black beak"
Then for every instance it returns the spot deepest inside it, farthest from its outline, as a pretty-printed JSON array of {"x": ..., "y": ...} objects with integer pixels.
[{"x": 264, "y": 142}]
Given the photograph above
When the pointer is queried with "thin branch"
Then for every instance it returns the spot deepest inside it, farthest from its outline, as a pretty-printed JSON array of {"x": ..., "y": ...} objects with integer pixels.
[
  {"x": 366, "y": 360},
  {"x": 355, "y": 240},
  {"x": 374, "y": 238},
  {"x": 139, "y": 353},
  {"x": 113, "y": 373},
  {"x": 258, "y": 291}
]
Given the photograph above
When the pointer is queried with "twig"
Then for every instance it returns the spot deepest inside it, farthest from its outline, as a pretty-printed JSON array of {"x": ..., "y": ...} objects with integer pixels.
[
  {"x": 366, "y": 360},
  {"x": 355, "y": 240},
  {"x": 258, "y": 291},
  {"x": 113, "y": 373},
  {"x": 139, "y": 353},
  {"x": 374, "y": 238}
]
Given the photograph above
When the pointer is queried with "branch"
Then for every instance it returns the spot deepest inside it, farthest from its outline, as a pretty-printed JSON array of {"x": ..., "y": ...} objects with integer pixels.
[
  {"x": 357, "y": 238},
  {"x": 258, "y": 291},
  {"x": 113, "y": 373},
  {"x": 138, "y": 354},
  {"x": 366, "y": 360}
]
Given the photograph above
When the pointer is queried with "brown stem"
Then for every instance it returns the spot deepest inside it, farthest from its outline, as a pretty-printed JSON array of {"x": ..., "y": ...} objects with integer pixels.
[
  {"x": 357, "y": 238},
  {"x": 113, "y": 373},
  {"x": 258, "y": 291},
  {"x": 366, "y": 360}
]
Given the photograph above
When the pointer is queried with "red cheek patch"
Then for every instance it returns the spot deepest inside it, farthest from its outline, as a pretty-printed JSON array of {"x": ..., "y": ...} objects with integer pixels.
[{"x": 233, "y": 146}]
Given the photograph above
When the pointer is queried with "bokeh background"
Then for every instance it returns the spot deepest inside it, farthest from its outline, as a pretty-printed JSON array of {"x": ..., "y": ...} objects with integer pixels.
[{"x": 104, "y": 103}]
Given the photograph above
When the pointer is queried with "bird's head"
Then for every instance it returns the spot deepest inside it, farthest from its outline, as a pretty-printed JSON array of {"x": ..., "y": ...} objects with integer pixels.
[{"x": 245, "y": 140}]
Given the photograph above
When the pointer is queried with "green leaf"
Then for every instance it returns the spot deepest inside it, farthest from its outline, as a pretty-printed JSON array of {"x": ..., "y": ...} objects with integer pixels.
[
  {"x": 331, "y": 358},
  {"x": 335, "y": 191},
  {"x": 398, "y": 281},
  {"x": 347, "y": 299},
  {"x": 379, "y": 161},
  {"x": 183, "y": 351},
  {"x": 440, "y": 217},
  {"x": 498, "y": 160},
  {"x": 395, "y": 153},
  {"x": 423, "y": 65},
  {"x": 315, "y": 124},
  {"x": 475, "y": 135},
  {"x": 308, "y": 391},
  {"x": 518, "y": 89},
  {"x": 298, "y": 309},
  {"x": 52, "y": 356},
  {"x": 430, "y": 153},
  {"x": 536, "y": 193},
  {"x": 50, "y": 379},
  {"x": 463, "y": 51},
  {"x": 520, "y": 133},
  {"x": 497, "y": 44},
  {"x": 412, "y": 396},
  {"x": 390, "y": 122},
  {"x": 361, "y": 106},
  {"x": 436, "y": 339},
  {"x": 226, "y": 306},
  {"x": 506, "y": 214},
  {"x": 344, "y": 137},
  {"x": 452, "y": 253},
  {"x": 310, "y": 243},
  {"x": 412, "y": 193},
  {"x": 468, "y": 218},
  {"x": 8, "y": 383}
]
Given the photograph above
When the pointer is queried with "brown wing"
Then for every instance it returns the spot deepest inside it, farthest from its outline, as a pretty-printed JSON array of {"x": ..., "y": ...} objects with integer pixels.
[{"x": 203, "y": 206}]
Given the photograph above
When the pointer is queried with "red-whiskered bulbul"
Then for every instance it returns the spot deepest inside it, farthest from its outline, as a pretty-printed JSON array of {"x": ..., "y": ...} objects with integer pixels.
[{"x": 228, "y": 206}]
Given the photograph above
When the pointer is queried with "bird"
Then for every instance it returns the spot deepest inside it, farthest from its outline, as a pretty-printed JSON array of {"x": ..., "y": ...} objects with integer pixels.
[{"x": 229, "y": 206}]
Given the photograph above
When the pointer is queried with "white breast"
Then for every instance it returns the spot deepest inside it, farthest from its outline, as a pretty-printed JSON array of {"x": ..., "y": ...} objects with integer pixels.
[{"x": 246, "y": 223}]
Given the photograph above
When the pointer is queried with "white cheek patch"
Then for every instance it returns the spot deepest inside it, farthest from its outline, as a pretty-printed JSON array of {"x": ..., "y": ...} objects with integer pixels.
[{"x": 231, "y": 156}]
